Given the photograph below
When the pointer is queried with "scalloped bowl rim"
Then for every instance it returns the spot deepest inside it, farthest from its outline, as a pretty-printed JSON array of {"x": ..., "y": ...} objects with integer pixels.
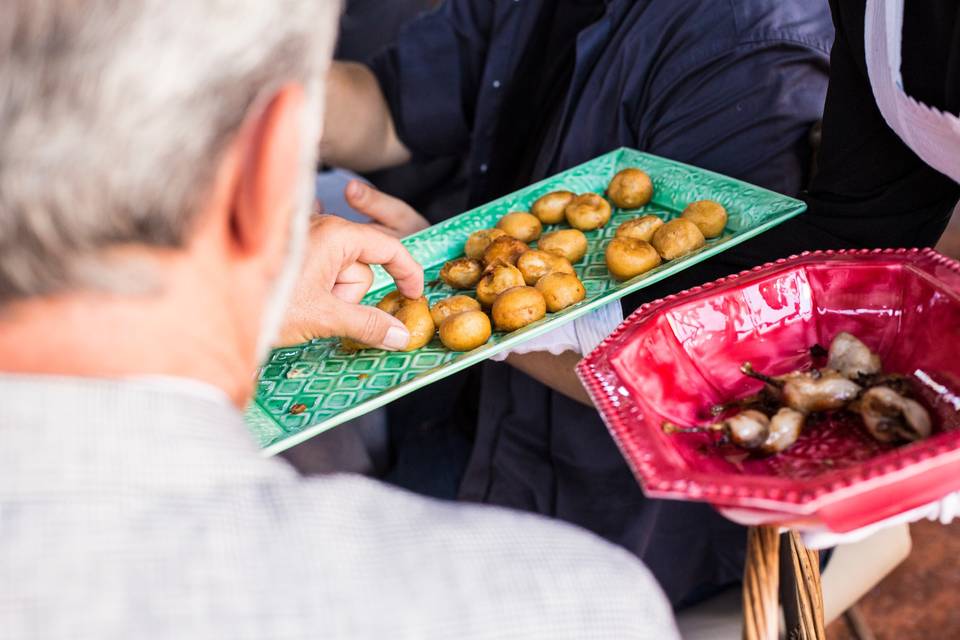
[{"x": 660, "y": 479}]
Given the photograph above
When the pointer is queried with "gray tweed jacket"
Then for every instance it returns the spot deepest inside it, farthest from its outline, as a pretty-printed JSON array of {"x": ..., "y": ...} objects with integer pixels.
[{"x": 139, "y": 510}]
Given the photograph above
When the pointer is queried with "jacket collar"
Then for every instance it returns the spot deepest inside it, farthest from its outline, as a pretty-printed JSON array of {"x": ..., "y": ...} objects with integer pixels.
[{"x": 77, "y": 435}]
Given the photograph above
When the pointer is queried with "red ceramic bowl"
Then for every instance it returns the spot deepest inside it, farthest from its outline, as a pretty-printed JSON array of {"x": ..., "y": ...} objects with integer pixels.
[{"x": 675, "y": 358}]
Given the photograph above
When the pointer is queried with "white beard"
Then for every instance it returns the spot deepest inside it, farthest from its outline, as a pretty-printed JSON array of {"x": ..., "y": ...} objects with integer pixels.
[{"x": 275, "y": 307}]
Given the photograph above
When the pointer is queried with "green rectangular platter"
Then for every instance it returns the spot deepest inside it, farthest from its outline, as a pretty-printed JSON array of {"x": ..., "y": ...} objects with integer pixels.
[{"x": 336, "y": 386}]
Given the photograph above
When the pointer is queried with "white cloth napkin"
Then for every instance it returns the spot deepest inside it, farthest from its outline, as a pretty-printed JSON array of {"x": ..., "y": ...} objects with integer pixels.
[{"x": 932, "y": 134}]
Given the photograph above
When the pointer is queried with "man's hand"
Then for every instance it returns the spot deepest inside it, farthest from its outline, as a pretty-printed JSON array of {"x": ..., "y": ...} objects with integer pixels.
[
  {"x": 390, "y": 215},
  {"x": 336, "y": 275}
]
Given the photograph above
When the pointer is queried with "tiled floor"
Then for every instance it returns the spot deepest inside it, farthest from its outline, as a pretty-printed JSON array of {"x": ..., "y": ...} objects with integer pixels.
[{"x": 920, "y": 600}]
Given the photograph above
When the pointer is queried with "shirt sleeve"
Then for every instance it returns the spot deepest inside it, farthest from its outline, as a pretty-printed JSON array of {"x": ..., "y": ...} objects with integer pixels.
[
  {"x": 745, "y": 112},
  {"x": 431, "y": 76},
  {"x": 870, "y": 188}
]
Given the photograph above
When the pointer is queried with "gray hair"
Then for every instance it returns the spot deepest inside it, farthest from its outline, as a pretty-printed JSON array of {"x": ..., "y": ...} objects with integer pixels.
[{"x": 114, "y": 114}]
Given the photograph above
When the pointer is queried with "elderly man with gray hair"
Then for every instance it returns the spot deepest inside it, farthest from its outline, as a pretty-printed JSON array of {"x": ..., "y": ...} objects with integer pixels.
[{"x": 155, "y": 165}]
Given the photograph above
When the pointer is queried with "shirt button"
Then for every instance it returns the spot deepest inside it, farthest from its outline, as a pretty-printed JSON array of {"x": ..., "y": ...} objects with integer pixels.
[
  {"x": 496, "y": 84},
  {"x": 484, "y": 167}
]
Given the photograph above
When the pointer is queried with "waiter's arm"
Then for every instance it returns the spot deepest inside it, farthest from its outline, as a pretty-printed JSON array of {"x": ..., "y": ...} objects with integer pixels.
[
  {"x": 414, "y": 98},
  {"x": 359, "y": 132},
  {"x": 556, "y": 372}
]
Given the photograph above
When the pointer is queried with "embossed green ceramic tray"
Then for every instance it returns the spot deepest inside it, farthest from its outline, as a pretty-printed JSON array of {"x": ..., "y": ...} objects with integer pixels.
[{"x": 335, "y": 386}]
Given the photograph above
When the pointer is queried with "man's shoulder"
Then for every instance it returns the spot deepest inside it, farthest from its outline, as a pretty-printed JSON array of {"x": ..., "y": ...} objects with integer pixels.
[
  {"x": 479, "y": 566},
  {"x": 715, "y": 25},
  {"x": 342, "y": 556},
  {"x": 800, "y": 22}
]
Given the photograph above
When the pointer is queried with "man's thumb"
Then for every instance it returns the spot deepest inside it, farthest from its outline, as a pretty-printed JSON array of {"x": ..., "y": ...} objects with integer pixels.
[{"x": 371, "y": 326}]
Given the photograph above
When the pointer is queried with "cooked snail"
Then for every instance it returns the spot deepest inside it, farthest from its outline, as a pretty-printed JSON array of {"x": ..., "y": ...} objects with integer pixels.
[
  {"x": 889, "y": 416},
  {"x": 772, "y": 419}
]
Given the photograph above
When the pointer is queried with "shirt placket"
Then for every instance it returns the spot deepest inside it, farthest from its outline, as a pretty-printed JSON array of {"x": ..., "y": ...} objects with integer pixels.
[
  {"x": 513, "y": 19},
  {"x": 590, "y": 43}
]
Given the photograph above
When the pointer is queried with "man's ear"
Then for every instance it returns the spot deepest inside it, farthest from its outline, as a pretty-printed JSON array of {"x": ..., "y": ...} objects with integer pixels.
[{"x": 268, "y": 173}]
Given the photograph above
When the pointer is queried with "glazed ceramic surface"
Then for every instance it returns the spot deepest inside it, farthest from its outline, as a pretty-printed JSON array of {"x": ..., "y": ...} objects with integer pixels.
[
  {"x": 306, "y": 389},
  {"x": 675, "y": 358}
]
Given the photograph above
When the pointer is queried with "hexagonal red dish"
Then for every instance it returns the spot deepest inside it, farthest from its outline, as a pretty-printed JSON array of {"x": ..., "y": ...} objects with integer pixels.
[{"x": 674, "y": 358}]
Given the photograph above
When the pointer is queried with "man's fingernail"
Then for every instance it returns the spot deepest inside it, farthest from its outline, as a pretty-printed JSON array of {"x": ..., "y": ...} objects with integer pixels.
[
  {"x": 354, "y": 189},
  {"x": 396, "y": 338}
]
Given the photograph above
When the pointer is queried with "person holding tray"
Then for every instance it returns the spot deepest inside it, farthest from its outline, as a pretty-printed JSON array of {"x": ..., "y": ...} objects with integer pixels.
[
  {"x": 450, "y": 86},
  {"x": 155, "y": 178},
  {"x": 522, "y": 90}
]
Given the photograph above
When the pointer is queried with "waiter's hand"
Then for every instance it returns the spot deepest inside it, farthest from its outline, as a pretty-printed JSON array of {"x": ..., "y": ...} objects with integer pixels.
[
  {"x": 390, "y": 215},
  {"x": 552, "y": 357},
  {"x": 336, "y": 275}
]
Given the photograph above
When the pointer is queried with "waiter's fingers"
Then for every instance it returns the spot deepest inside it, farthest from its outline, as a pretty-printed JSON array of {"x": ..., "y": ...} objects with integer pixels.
[{"x": 393, "y": 213}]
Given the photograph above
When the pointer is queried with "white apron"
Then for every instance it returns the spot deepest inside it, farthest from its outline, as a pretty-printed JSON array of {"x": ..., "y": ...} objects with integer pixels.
[{"x": 933, "y": 135}]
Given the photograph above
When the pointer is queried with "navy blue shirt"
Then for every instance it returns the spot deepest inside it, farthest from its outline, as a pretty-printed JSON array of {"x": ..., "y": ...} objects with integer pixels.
[{"x": 731, "y": 86}]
